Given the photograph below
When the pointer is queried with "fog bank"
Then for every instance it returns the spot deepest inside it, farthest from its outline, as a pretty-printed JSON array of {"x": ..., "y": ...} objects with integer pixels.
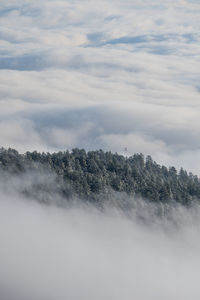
[{"x": 81, "y": 252}]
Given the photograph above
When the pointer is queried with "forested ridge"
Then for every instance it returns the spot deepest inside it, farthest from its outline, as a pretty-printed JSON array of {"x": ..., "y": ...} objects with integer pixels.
[{"x": 88, "y": 174}]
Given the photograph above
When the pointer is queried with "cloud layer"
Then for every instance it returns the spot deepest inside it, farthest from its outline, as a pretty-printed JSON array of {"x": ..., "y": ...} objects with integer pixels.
[
  {"x": 123, "y": 74},
  {"x": 82, "y": 253}
]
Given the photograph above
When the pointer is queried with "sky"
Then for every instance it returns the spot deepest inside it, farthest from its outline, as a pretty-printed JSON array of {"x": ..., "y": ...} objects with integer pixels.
[{"x": 111, "y": 74}]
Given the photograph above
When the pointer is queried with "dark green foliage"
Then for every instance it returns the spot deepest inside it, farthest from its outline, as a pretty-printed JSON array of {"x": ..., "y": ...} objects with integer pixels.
[{"x": 87, "y": 175}]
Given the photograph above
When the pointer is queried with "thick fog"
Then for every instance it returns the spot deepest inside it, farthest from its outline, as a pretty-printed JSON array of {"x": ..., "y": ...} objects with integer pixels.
[{"x": 82, "y": 252}]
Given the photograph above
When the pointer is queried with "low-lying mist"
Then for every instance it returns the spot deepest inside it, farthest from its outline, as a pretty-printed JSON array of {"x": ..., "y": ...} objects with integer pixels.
[{"x": 80, "y": 252}]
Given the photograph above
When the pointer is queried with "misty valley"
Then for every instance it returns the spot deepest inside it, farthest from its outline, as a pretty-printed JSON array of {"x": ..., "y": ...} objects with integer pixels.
[
  {"x": 99, "y": 150},
  {"x": 95, "y": 225}
]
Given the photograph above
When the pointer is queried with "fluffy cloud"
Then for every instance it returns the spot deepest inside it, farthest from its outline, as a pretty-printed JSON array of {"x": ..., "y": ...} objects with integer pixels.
[
  {"x": 125, "y": 74},
  {"x": 81, "y": 253}
]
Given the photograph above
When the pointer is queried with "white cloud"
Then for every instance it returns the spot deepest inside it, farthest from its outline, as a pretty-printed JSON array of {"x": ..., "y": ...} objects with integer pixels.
[
  {"x": 20, "y": 134},
  {"x": 135, "y": 61},
  {"x": 135, "y": 143}
]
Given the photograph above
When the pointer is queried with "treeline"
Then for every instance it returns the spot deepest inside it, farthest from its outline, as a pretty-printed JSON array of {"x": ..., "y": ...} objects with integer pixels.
[{"x": 89, "y": 174}]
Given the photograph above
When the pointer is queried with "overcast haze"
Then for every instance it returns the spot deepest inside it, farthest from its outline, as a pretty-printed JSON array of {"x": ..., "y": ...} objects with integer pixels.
[{"x": 108, "y": 75}]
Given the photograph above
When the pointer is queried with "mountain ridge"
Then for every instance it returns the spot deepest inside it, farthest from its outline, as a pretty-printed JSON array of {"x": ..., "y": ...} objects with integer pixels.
[{"x": 87, "y": 175}]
